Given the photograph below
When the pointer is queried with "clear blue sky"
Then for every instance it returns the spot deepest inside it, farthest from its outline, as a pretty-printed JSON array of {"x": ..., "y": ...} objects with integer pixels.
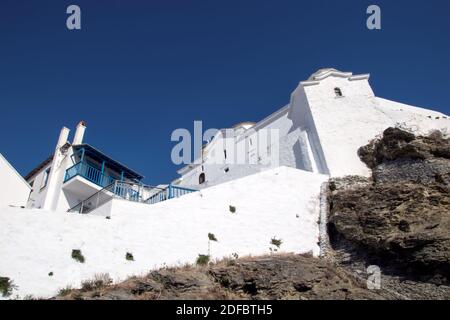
[{"x": 140, "y": 69}]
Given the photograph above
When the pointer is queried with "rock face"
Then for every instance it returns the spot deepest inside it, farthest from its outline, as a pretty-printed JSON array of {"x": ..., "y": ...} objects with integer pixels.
[
  {"x": 401, "y": 156},
  {"x": 401, "y": 217},
  {"x": 419, "y": 171},
  {"x": 292, "y": 277}
]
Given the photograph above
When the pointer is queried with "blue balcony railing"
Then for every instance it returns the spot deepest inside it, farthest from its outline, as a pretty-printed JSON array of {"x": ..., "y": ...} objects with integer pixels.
[
  {"x": 169, "y": 192},
  {"x": 90, "y": 173},
  {"x": 131, "y": 192},
  {"x": 127, "y": 191}
]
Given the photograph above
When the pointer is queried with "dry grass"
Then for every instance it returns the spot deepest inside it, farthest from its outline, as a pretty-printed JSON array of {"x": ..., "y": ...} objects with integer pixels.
[{"x": 99, "y": 281}]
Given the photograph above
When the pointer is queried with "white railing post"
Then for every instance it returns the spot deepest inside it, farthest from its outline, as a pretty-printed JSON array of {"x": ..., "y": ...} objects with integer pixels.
[
  {"x": 141, "y": 189},
  {"x": 98, "y": 199}
]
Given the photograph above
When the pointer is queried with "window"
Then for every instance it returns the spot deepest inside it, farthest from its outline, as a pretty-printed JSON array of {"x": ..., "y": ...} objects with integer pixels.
[
  {"x": 201, "y": 178},
  {"x": 338, "y": 92},
  {"x": 45, "y": 178},
  {"x": 225, "y": 153}
]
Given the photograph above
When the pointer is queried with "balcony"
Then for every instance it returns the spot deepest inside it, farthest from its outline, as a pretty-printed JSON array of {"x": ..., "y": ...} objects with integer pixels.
[
  {"x": 131, "y": 192},
  {"x": 90, "y": 173}
]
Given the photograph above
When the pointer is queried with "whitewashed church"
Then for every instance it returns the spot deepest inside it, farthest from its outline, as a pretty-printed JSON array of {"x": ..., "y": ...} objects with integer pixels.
[{"x": 329, "y": 116}]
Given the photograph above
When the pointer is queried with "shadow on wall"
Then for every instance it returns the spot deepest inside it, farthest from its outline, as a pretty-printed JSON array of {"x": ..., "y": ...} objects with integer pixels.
[
  {"x": 302, "y": 118},
  {"x": 302, "y": 160}
]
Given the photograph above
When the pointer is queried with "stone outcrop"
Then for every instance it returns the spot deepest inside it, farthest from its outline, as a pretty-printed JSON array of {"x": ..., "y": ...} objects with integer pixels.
[
  {"x": 401, "y": 156},
  {"x": 401, "y": 217}
]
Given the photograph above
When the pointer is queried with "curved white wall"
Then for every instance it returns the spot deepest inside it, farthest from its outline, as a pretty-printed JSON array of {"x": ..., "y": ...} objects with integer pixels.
[{"x": 281, "y": 203}]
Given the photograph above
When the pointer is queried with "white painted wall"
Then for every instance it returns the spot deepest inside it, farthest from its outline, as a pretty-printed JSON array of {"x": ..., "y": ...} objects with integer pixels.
[
  {"x": 415, "y": 119},
  {"x": 345, "y": 123},
  {"x": 291, "y": 150},
  {"x": 39, "y": 189},
  {"x": 281, "y": 203},
  {"x": 14, "y": 190}
]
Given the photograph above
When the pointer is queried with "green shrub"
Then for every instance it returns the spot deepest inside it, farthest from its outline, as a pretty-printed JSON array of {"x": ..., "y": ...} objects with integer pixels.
[
  {"x": 232, "y": 209},
  {"x": 78, "y": 256},
  {"x": 129, "y": 256},
  {"x": 202, "y": 259},
  {"x": 212, "y": 237},
  {"x": 50, "y": 274},
  {"x": 6, "y": 286},
  {"x": 276, "y": 242}
]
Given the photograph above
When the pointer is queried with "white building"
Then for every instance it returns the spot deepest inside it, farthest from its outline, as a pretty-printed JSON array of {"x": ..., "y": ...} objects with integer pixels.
[
  {"x": 329, "y": 116},
  {"x": 14, "y": 190},
  {"x": 75, "y": 172}
]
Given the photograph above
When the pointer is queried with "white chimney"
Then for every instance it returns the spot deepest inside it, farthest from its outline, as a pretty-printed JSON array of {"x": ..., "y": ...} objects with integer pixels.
[
  {"x": 63, "y": 137},
  {"x": 55, "y": 172},
  {"x": 79, "y": 133}
]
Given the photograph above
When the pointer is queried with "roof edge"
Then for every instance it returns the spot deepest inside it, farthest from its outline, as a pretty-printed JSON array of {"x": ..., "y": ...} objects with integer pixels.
[{"x": 15, "y": 171}]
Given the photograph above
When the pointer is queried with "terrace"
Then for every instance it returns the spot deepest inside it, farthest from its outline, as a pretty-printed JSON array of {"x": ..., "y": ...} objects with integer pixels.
[{"x": 92, "y": 170}]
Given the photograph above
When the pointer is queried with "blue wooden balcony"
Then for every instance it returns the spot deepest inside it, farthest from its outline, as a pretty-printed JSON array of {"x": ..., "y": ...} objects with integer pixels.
[
  {"x": 131, "y": 192},
  {"x": 90, "y": 173}
]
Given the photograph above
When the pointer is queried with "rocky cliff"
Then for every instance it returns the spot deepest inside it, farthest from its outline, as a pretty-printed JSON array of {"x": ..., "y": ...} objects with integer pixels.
[{"x": 400, "y": 218}]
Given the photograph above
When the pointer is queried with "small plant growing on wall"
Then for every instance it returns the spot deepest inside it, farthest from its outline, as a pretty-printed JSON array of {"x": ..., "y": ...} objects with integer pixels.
[
  {"x": 129, "y": 256},
  {"x": 6, "y": 286},
  {"x": 232, "y": 209},
  {"x": 202, "y": 260},
  {"x": 211, "y": 237},
  {"x": 276, "y": 243},
  {"x": 77, "y": 255},
  {"x": 50, "y": 274}
]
